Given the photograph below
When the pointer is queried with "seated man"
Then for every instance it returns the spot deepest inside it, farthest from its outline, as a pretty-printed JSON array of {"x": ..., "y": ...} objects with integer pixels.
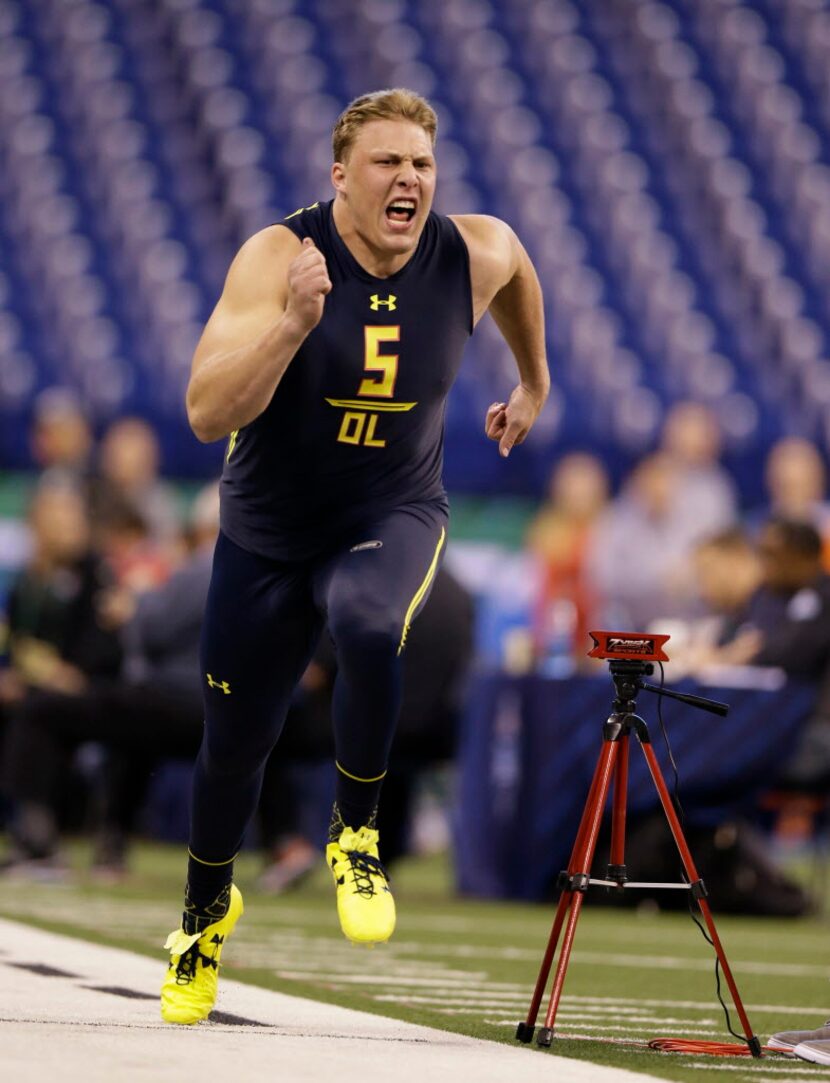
[
  {"x": 154, "y": 710},
  {"x": 57, "y": 645},
  {"x": 787, "y": 624}
]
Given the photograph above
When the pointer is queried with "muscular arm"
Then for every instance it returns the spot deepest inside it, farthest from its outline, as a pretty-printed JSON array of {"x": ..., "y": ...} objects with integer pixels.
[
  {"x": 505, "y": 282},
  {"x": 274, "y": 290}
]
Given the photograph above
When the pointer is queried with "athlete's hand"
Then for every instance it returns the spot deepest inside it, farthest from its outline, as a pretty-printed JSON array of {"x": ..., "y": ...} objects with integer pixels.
[
  {"x": 308, "y": 284},
  {"x": 510, "y": 422}
]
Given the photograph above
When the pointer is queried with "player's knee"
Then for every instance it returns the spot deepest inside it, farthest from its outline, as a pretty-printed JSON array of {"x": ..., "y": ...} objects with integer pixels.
[{"x": 375, "y": 632}]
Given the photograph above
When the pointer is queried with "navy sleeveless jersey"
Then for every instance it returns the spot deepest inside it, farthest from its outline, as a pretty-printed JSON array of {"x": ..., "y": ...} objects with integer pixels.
[{"x": 356, "y": 425}]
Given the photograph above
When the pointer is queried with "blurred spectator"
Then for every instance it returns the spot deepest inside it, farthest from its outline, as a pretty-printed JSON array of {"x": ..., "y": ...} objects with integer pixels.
[
  {"x": 559, "y": 536},
  {"x": 705, "y": 493},
  {"x": 727, "y": 572},
  {"x": 61, "y": 436},
  {"x": 56, "y": 642},
  {"x": 139, "y": 562},
  {"x": 129, "y": 465},
  {"x": 796, "y": 481},
  {"x": 154, "y": 712},
  {"x": 787, "y": 624},
  {"x": 57, "y": 645},
  {"x": 638, "y": 559}
]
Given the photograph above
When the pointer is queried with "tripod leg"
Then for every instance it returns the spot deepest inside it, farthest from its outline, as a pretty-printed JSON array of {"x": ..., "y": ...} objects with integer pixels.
[
  {"x": 587, "y": 813},
  {"x": 694, "y": 878},
  {"x": 524, "y": 1032},
  {"x": 616, "y": 869},
  {"x": 583, "y": 861}
]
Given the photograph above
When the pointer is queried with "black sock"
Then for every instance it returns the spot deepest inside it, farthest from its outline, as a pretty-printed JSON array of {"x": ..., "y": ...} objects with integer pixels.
[
  {"x": 361, "y": 819},
  {"x": 357, "y": 798},
  {"x": 207, "y": 894}
]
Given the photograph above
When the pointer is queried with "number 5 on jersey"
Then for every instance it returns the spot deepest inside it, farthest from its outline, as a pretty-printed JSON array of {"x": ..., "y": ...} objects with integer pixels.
[{"x": 375, "y": 361}]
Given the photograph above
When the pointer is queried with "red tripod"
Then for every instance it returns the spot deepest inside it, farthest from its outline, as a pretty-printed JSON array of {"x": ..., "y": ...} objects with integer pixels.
[{"x": 574, "y": 881}]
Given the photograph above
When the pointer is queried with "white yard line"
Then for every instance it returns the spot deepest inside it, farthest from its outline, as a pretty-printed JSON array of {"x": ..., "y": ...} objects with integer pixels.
[
  {"x": 702, "y": 1005},
  {"x": 661, "y": 1030},
  {"x": 631, "y": 1011},
  {"x": 675, "y": 962},
  {"x": 612, "y": 1005},
  {"x": 66, "y": 909},
  {"x": 381, "y": 978},
  {"x": 83, "y": 1013},
  {"x": 761, "y": 1071}
]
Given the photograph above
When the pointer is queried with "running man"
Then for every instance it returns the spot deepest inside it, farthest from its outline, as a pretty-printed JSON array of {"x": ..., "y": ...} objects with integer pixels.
[{"x": 327, "y": 362}]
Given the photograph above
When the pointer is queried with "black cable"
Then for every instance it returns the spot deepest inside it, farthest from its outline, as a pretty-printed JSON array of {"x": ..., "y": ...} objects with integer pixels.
[
  {"x": 681, "y": 815},
  {"x": 676, "y": 793}
]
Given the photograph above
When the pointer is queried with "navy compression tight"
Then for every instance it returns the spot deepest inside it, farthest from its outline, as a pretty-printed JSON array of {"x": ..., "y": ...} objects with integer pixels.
[{"x": 262, "y": 623}]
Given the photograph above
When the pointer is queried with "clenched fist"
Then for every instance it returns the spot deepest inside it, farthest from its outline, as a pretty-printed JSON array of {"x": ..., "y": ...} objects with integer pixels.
[{"x": 308, "y": 284}]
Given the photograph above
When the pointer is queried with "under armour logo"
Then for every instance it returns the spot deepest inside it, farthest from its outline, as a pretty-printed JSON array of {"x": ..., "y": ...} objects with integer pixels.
[
  {"x": 223, "y": 685},
  {"x": 377, "y": 302}
]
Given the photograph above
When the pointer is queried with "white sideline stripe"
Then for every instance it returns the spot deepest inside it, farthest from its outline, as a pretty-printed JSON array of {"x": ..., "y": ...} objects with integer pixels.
[{"x": 60, "y": 1027}]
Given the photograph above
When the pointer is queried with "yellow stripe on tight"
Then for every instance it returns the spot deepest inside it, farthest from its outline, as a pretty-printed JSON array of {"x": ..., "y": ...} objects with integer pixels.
[
  {"x": 343, "y": 770},
  {"x": 213, "y": 864},
  {"x": 421, "y": 591},
  {"x": 231, "y": 445}
]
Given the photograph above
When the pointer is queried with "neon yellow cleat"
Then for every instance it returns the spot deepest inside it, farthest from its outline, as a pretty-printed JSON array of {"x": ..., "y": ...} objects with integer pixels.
[
  {"x": 364, "y": 902},
  {"x": 189, "y": 990}
]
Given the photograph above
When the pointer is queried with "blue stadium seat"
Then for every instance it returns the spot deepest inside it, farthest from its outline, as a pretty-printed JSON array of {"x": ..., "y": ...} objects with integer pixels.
[{"x": 666, "y": 164}]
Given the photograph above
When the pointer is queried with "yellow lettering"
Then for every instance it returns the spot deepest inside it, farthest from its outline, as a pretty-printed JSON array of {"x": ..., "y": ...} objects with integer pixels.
[
  {"x": 370, "y": 440},
  {"x": 358, "y": 428},
  {"x": 351, "y": 428}
]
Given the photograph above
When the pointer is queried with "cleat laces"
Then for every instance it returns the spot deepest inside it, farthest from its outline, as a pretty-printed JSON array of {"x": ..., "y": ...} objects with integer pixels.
[
  {"x": 189, "y": 961},
  {"x": 363, "y": 868}
]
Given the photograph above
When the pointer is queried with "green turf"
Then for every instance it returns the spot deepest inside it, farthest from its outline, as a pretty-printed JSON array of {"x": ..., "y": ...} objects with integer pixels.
[{"x": 470, "y": 966}]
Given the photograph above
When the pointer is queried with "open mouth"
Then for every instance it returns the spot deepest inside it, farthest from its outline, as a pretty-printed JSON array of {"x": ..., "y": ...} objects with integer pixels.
[{"x": 401, "y": 210}]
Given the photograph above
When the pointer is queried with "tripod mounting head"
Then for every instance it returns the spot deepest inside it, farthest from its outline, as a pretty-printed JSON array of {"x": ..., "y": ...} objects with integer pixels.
[{"x": 631, "y": 656}]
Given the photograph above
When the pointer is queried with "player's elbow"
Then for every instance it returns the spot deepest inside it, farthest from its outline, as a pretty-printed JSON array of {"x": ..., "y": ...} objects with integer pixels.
[{"x": 206, "y": 428}]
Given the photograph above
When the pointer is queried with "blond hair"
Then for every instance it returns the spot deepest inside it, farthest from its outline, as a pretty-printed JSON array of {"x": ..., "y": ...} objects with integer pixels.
[{"x": 396, "y": 104}]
